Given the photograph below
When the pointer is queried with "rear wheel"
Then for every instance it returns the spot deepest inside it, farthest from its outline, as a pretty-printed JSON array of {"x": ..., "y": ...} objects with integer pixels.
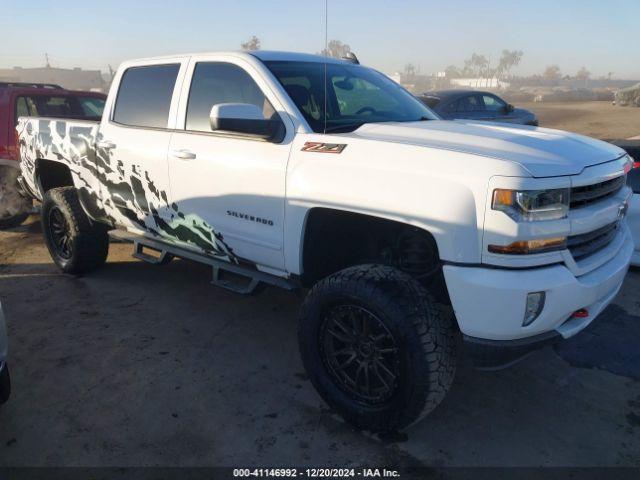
[
  {"x": 377, "y": 347},
  {"x": 14, "y": 208},
  {"x": 75, "y": 242}
]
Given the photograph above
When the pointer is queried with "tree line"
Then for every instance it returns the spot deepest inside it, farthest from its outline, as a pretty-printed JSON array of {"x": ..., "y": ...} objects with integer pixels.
[{"x": 476, "y": 66}]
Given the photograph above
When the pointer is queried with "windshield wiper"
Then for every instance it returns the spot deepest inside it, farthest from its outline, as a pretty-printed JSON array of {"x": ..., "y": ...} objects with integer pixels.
[{"x": 348, "y": 127}]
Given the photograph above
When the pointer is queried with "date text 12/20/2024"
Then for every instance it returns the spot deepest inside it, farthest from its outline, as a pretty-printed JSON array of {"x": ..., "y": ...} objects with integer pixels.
[{"x": 316, "y": 473}]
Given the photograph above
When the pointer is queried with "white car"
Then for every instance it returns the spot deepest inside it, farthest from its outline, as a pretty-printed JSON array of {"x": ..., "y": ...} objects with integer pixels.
[
  {"x": 634, "y": 212},
  {"x": 299, "y": 170},
  {"x": 5, "y": 380}
]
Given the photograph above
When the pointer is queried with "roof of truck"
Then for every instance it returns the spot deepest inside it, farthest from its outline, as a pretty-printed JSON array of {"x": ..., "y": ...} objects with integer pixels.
[
  {"x": 271, "y": 55},
  {"x": 264, "y": 55}
]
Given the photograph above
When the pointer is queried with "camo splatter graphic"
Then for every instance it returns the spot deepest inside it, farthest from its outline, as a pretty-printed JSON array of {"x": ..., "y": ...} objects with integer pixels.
[{"x": 121, "y": 192}]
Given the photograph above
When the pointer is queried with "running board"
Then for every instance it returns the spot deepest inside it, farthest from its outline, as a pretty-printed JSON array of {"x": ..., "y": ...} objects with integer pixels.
[
  {"x": 253, "y": 276},
  {"x": 138, "y": 252}
]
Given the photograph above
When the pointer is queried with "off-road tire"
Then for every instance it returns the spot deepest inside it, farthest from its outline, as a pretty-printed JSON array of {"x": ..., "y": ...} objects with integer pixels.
[
  {"x": 423, "y": 330},
  {"x": 5, "y": 384},
  {"x": 88, "y": 240}
]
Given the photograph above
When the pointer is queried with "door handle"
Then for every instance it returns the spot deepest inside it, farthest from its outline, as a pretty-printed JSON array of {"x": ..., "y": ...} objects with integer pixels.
[
  {"x": 183, "y": 154},
  {"x": 106, "y": 144}
]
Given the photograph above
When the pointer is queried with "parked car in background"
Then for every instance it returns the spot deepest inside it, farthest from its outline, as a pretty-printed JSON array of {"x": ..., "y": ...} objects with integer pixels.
[
  {"x": 37, "y": 100},
  {"x": 475, "y": 105},
  {"x": 5, "y": 380}
]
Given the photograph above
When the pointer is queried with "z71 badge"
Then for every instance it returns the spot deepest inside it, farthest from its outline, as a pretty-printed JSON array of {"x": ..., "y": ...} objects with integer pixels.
[{"x": 320, "y": 147}]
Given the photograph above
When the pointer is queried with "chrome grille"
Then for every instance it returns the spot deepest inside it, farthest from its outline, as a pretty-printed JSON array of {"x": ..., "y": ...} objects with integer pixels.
[
  {"x": 588, "y": 243},
  {"x": 588, "y": 194}
]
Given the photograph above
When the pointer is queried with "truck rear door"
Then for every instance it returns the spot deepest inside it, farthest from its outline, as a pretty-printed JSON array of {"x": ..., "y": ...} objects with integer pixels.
[
  {"x": 133, "y": 141},
  {"x": 235, "y": 183}
]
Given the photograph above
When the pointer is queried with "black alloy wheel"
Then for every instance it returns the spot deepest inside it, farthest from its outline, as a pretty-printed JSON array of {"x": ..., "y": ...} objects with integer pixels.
[
  {"x": 360, "y": 353},
  {"x": 60, "y": 233}
]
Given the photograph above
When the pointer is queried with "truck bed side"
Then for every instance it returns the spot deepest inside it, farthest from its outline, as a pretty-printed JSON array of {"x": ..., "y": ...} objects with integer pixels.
[
  {"x": 70, "y": 142},
  {"x": 112, "y": 191}
]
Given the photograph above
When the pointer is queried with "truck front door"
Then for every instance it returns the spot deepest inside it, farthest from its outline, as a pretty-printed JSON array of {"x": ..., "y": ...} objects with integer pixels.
[{"x": 231, "y": 185}]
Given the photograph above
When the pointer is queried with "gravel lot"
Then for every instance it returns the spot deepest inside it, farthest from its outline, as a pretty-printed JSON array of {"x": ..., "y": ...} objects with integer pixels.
[
  {"x": 595, "y": 119},
  {"x": 141, "y": 365}
]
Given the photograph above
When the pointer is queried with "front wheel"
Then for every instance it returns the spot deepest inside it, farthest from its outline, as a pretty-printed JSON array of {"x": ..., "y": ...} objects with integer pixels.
[
  {"x": 76, "y": 243},
  {"x": 377, "y": 347}
]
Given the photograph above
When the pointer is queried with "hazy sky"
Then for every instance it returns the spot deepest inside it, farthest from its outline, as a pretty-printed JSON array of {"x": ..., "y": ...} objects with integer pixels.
[{"x": 601, "y": 35}]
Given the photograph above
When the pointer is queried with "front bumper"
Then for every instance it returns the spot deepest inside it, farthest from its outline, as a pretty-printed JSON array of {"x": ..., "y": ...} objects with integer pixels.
[{"x": 489, "y": 303}]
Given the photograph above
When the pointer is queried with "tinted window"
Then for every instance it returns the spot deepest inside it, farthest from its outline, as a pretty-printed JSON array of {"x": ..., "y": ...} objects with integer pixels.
[
  {"x": 53, "y": 106},
  {"x": 92, "y": 106},
  {"x": 473, "y": 103},
  {"x": 430, "y": 102},
  {"x": 493, "y": 104},
  {"x": 466, "y": 104},
  {"x": 144, "y": 96},
  {"x": 22, "y": 109},
  {"x": 215, "y": 83}
]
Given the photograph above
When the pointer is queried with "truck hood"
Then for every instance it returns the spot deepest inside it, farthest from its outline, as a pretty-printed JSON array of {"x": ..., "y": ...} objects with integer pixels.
[{"x": 541, "y": 151}]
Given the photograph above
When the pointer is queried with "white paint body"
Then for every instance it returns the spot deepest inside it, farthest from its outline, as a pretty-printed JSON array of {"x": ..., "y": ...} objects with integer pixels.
[{"x": 435, "y": 175}]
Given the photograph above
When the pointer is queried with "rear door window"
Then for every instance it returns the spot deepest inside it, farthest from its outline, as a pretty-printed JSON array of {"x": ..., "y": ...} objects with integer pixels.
[
  {"x": 144, "y": 96},
  {"x": 473, "y": 103}
]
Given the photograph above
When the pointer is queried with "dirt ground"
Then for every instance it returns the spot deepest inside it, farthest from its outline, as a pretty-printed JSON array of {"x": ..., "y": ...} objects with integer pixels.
[
  {"x": 595, "y": 119},
  {"x": 137, "y": 365}
]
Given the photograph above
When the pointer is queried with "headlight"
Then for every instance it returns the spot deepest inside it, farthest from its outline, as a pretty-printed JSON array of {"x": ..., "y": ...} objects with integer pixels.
[{"x": 532, "y": 205}]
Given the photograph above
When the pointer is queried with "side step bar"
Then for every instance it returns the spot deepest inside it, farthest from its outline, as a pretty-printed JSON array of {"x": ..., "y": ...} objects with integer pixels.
[{"x": 166, "y": 252}]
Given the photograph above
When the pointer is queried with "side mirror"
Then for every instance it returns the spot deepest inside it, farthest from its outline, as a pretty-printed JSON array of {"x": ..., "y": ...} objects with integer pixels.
[
  {"x": 509, "y": 108},
  {"x": 245, "y": 119}
]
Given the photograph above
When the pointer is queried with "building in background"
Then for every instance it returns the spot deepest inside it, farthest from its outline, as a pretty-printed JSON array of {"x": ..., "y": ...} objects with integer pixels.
[
  {"x": 486, "y": 83},
  {"x": 72, "y": 79}
]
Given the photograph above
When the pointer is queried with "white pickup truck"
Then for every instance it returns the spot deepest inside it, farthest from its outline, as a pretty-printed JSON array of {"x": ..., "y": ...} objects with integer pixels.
[{"x": 412, "y": 233}]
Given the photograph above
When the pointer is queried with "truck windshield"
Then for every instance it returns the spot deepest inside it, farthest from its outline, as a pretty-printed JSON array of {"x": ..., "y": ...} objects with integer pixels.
[{"x": 355, "y": 95}]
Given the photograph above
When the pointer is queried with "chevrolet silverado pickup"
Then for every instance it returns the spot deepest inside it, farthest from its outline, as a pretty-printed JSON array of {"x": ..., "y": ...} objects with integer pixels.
[
  {"x": 416, "y": 237},
  {"x": 35, "y": 99}
]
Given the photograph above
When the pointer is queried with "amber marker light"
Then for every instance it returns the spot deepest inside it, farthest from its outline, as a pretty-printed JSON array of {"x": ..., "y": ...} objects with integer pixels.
[{"x": 527, "y": 247}]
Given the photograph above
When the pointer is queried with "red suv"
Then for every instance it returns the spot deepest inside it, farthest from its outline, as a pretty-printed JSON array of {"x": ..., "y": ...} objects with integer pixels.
[{"x": 35, "y": 100}]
